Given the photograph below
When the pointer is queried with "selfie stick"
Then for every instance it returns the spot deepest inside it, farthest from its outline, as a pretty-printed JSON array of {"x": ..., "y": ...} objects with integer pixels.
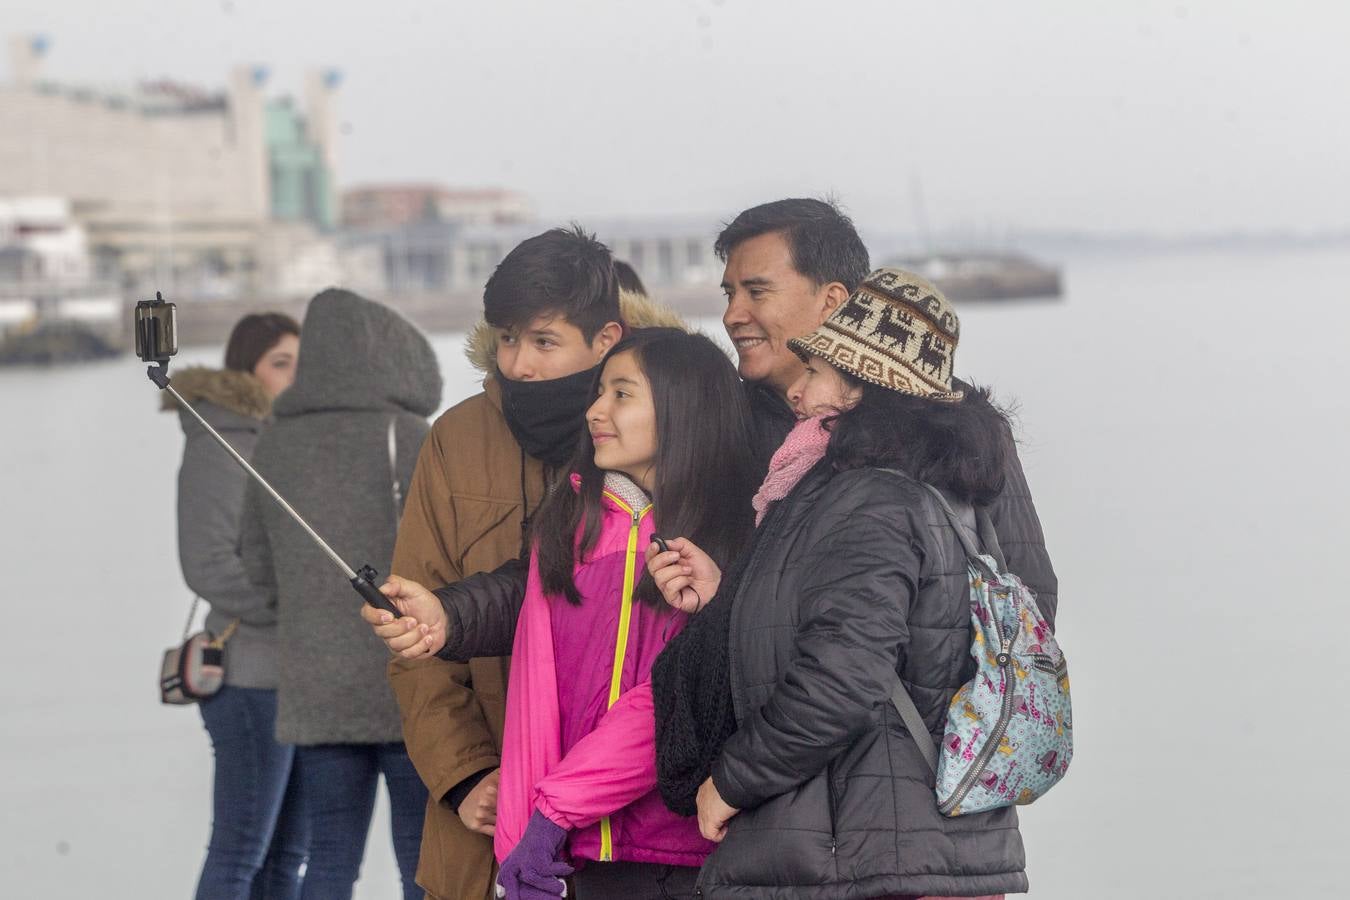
[{"x": 363, "y": 580}]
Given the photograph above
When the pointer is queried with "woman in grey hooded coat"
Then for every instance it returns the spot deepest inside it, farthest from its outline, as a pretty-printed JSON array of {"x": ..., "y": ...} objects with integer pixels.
[
  {"x": 342, "y": 448},
  {"x": 259, "y": 835}
]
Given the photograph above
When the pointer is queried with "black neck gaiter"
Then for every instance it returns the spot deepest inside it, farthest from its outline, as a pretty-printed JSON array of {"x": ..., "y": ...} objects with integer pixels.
[{"x": 546, "y": 417}]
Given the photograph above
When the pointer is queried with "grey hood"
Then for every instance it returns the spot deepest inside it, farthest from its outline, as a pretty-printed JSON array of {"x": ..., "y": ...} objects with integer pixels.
[{"x": 359, "y": 354}]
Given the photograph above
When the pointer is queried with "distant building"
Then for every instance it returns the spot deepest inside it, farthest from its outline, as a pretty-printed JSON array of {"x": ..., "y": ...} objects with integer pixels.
[
  {"x": 174, "y": 185},
  {"x": 394, "y": 205},
  {"x": 40, "y": 241},
  {"x": 666, "y": 251},
  {"x": 301, "y": 153},
  {"x": 45, "y": 266},
  {"x": 224, "y": 193},
  {"x": 430, "y": 256}
]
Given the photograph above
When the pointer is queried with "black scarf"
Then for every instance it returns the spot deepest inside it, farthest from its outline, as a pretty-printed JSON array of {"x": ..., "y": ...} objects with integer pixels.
[
  {"x": 546, "y": 417},
  {"x": 691, "y": 679},
  {"x": 691, "y": 690}
]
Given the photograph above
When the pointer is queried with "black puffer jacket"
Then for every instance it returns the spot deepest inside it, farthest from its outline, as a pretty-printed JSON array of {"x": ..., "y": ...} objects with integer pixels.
[{"x": 853, "y": 577}]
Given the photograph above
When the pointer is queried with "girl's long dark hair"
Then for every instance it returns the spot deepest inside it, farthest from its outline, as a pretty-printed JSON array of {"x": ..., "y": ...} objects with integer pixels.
[
  {"x": 705, "y": 472},
  {"x": 962, "y": 447}
]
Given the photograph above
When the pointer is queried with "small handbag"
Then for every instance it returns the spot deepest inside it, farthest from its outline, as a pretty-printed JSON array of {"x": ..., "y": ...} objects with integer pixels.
[{"x": 195, "y": 669}]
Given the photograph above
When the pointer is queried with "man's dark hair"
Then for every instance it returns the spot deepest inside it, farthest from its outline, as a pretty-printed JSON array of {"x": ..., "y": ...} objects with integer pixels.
[
  {"x": 563, "y": 271},
  {"x": 254, "y": 335},
  {"x": 825, "y": 246},
  {"x": 628, "y": 278}
]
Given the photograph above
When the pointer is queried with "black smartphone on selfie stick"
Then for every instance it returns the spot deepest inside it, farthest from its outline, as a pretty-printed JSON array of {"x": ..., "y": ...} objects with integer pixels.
[{"x": 156, "y": 343}]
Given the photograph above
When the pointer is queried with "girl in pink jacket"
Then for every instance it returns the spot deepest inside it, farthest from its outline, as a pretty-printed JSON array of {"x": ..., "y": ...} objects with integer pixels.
[{"x": 666, "y": 450}]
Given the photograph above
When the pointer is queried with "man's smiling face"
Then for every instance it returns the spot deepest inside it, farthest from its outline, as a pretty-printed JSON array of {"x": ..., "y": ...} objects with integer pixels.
[{"x": 769, "y": 302}]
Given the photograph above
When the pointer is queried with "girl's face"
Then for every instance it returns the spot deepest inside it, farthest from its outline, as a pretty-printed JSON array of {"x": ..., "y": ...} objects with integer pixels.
[
  {"x": 622, "y": 421},
  {"x": 822, "y": 391},
  {"x": 276, "y": 369}
]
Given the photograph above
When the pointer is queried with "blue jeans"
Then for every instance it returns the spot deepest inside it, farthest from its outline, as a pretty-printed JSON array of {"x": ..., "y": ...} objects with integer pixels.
[
  {"x": 259, "y": 833},
  {"x": 338, "y": 783}
]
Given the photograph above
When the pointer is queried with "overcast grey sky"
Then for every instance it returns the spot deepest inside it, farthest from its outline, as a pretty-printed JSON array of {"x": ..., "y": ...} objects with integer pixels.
[{"x": 1166, "y": 116}]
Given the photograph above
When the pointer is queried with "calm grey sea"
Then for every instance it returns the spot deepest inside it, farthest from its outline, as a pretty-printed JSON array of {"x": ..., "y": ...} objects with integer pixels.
[{"x": 1186, "y": 428}]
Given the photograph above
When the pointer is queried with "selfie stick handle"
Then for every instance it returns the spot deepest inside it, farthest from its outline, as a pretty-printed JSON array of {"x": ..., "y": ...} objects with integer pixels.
[{"x": 363, "y": 581}]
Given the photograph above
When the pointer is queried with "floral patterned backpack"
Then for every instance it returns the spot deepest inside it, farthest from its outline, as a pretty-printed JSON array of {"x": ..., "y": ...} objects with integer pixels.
[{"x": 1009, "y": 734}]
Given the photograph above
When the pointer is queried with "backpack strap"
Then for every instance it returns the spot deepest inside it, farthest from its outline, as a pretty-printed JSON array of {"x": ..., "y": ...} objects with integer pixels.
[
  {"x": 900, "y": 698},
  {"x": 909, "y": 714},
  {"x": 952, "y": 519},
  {"x": 984, "y": 529},
  {"x": 989, "y": 537}
]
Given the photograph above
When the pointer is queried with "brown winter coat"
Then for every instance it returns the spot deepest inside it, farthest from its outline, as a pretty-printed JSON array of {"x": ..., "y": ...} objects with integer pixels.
[{"x": 463, "y": 516}]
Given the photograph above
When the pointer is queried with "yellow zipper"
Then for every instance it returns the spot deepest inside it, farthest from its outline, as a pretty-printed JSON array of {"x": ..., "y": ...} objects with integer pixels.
[{"x": 621, "y": 646}]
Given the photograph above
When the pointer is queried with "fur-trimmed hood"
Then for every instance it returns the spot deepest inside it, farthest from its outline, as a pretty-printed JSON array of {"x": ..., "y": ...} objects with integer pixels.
[
  {"x": 236, "y": 392},
  {"x": 637, "y": 310}
]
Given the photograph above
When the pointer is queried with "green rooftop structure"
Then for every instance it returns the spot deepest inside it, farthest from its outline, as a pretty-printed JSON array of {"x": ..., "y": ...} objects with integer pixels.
[{"x": 302, "y": 187}]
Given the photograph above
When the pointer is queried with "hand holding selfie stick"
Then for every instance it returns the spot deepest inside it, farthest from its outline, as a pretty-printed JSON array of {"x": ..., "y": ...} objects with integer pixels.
[{"x": 157, "y": 342}]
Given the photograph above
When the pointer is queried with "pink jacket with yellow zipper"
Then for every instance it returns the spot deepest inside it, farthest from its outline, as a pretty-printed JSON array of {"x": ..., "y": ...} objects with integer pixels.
[{"x": 580, "y": 739}]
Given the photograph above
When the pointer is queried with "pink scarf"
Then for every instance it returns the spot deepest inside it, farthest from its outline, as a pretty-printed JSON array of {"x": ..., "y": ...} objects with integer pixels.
[{"x": 801, "y": 450}]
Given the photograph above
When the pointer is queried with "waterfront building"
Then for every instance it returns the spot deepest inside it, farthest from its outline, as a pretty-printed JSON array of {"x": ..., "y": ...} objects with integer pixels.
[
  {"x": 45, "y": 265},
  {"x": 175, "y": 186},
  {"x": 429, "y": 256}
]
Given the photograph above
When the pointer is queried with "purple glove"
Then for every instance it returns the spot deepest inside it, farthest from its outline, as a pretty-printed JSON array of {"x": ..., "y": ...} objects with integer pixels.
[{"x": 534, "y": 869}]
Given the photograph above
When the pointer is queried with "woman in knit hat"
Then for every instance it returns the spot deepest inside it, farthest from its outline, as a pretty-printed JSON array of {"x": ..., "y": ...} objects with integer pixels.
[{"x": 774, "y": 723}]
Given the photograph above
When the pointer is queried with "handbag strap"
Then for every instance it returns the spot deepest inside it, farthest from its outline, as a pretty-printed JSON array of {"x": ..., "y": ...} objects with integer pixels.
[
  {"x": 192, "y": 614},
  {"x": 217, "y": 642},
  {"x": 225, "y": 635},
  {"x": 393, "y": 471}
]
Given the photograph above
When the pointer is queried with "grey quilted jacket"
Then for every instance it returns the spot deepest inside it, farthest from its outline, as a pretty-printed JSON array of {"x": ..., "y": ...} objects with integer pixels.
[
  {"x": 210, "y": 494},
  {"x": 854, "y": 577}
]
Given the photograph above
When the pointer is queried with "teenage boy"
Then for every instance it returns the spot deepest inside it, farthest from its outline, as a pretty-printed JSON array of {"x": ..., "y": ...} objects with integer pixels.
[{"x": 552, "y": 310}]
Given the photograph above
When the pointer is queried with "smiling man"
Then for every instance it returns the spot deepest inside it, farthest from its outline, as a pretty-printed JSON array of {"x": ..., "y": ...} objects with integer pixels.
[{"x": 789, "y": 265}]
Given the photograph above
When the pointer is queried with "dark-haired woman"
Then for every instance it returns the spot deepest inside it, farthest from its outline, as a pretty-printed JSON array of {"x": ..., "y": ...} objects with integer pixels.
[
  {"x": 774, "y": 722},
  {"x": 258, "y": 833},
  {"x": 667, "y": 450}
]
